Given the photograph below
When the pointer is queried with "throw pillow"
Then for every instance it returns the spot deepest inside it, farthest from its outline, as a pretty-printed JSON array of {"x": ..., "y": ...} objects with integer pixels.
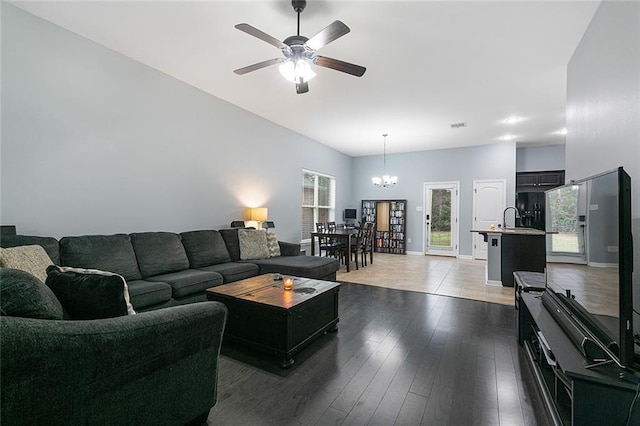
[
  {"x": 272, "y": 245},
  {"x": 31, "y": 259},
  {"x": 253, "y": 244},
  {"x": 90, "y": 293},
  {"x": 23, "y": 295}
]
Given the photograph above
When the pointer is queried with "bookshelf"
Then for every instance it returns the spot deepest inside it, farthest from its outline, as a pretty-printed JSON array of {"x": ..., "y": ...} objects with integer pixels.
[{"x": 389, "y": 218}]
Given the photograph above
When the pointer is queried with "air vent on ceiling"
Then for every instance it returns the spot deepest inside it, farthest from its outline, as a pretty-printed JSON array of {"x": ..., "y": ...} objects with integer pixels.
[{"x": 458, "y": 125}]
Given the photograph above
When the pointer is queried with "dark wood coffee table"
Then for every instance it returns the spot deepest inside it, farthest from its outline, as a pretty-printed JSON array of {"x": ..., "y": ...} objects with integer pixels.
[{"x": 264, "y": 315}]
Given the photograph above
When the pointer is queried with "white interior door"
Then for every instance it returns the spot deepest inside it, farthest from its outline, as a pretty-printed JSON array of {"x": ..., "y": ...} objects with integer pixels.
[
  {"x": 441, "y": 218},
  {"x": 489, "y": 201}
]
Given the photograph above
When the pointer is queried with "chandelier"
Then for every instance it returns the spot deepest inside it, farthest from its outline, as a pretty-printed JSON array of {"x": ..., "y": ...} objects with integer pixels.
[{"x": 385, "y": 180}]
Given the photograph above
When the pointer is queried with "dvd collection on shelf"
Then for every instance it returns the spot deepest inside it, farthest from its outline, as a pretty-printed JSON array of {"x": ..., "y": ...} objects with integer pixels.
[{"x": 389, "y": 217}]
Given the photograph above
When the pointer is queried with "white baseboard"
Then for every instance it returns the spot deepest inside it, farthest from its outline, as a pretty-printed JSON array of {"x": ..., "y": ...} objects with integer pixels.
[
  {"x": 603, "y": 265},
  {"x": 460, "y": 256},
  {"x": 565, "y": 259}
]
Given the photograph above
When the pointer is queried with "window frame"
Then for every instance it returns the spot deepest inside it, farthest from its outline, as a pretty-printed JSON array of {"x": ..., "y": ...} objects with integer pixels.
[{"x": 315, "y": 206}]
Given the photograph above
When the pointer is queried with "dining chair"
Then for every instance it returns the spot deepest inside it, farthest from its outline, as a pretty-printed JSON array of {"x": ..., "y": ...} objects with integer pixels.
[
  {"x": 356, "y": 247},
  {"x": 367, "y": 246},
  {"x": 324, "y": 242},
  {"x": 362, "y": 246},
  {"x": 337, "y": 243}
]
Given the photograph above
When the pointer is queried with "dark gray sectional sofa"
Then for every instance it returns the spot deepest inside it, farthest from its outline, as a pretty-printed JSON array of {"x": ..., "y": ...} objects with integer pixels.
[{"x": 164, "y": 269}]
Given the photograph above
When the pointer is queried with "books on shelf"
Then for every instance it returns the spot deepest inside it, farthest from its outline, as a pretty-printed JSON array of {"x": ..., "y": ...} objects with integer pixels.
[{"x": 391, "y": 239}]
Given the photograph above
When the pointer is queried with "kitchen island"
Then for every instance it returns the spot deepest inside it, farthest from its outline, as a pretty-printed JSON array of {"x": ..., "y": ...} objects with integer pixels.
[{"x": 513, "y": 249}]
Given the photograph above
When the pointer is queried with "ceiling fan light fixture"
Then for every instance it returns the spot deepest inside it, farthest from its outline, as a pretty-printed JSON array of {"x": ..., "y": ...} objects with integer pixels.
[
  {"x": 300, "y": 52},
  {"x": 296, "y": 70}
]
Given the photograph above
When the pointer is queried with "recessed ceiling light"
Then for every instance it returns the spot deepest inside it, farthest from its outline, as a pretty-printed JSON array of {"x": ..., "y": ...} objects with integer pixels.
[
  {"x": 562, "y": 132},
  {"x": 513, "y": 119},
  {"x": 507, "y": 137}
]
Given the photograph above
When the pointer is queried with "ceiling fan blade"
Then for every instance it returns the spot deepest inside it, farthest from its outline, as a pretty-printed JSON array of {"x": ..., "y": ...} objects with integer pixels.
[
  {"x": 259, "y": 65},
  {"x": 302, "y": 87},
  {"x": 338, "y": 65},
  {"x": 261, "y": 35},
  {"x": 334, "y": 30}
]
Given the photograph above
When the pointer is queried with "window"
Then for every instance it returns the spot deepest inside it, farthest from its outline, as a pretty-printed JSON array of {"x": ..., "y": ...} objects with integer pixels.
[
  {"x": 318, "y": 201},
  {"x": 563, "y": 208}
]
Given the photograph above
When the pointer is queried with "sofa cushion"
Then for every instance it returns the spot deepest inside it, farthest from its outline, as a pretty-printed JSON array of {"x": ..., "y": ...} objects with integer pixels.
[
  {"x": 159, "y": 253},
  {"x": 145, "y": 294},
  {"x": 49, "y": 244},
  {"x": 300, "y": 266},
  {"x": 192, "y": 298},
  {"x": 24, "y": 295},
  {"x": 272, "y": 245},
  {"x": 234, "y": 271},
  {"x": 113, "y": 253},
  {"x": 205, "y": 248},
  {"x": 230, "y": 237},
  {"x": 90, "y": 293},
  {"x": 31, "y": 259},
  {"x": 253, "y": 244},
  {"x": 189, "y": 281}
]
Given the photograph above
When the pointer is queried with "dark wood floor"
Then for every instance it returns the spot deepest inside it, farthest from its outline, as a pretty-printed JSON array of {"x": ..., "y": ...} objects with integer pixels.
[{"x": 399, "y": 357}]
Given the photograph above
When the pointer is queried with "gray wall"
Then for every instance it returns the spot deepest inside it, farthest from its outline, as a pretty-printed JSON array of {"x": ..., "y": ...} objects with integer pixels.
[
  {"x": 540, "y": 158},
  {"x": 603, "y": 104},
  {"x": 94, "y": 142},
  {"x": 413, "y": 169}
]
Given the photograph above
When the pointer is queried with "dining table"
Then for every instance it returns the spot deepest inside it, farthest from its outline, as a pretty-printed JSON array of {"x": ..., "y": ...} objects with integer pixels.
[{"x": 342, "y": 234}]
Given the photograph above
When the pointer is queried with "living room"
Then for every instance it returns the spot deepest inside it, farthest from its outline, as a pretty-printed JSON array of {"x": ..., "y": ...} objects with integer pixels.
[
  {"x": 94, "y": 142},
  {"x": 152, "y": 144}
]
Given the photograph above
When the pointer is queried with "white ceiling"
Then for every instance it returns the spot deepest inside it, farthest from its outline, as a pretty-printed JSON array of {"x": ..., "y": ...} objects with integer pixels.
[{"x": 429, "y": 64}]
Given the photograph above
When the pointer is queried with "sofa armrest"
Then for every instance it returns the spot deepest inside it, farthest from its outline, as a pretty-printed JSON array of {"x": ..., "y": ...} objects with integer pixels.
[
  {"x": 289, "y": 249},
  {"x": 157, "y": 367}
]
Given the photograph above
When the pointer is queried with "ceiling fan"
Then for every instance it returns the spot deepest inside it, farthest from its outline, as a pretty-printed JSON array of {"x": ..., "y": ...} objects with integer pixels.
[{"x": 299, "y": 52}]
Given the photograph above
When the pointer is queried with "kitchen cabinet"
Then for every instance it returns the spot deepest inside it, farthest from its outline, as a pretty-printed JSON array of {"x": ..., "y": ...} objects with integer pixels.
[{"x": 539, "y": 181}]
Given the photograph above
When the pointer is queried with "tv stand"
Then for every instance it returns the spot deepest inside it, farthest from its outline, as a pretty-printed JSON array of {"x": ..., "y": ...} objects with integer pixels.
[{"x": 575, "y": 391}]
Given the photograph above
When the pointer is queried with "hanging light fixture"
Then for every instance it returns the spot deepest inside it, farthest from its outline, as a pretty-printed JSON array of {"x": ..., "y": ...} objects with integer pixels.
[{"x": 385, "y": 180}]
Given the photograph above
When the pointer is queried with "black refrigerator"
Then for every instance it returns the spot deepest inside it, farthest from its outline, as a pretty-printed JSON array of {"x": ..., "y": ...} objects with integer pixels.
[{"x": 531, "y": 207}]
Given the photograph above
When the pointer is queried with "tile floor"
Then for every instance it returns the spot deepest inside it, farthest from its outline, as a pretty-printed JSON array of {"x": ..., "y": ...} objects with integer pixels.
[{"x": 446, "y": 276}]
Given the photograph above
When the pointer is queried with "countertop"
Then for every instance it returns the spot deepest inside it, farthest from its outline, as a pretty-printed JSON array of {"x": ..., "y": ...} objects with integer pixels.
[{"x": 512, "y": 231}]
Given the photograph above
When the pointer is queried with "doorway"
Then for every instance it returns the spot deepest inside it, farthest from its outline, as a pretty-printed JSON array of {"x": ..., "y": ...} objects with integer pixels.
[
  {"x": 441, "y": 200},
  {"x": 489, "y": 201}
]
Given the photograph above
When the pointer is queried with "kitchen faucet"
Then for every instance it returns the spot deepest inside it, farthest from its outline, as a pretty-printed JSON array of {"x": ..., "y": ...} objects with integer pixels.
[{"x": 504, "y": 216}]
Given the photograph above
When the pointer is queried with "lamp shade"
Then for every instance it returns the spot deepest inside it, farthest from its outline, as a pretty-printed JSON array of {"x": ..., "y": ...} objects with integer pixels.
[{"x": 259, "y": 214}]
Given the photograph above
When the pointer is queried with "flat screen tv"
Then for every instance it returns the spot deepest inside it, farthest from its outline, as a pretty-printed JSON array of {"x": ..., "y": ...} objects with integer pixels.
[
  {"x": 590, "y": 263},
  {"x": 350, "y": 214}
]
